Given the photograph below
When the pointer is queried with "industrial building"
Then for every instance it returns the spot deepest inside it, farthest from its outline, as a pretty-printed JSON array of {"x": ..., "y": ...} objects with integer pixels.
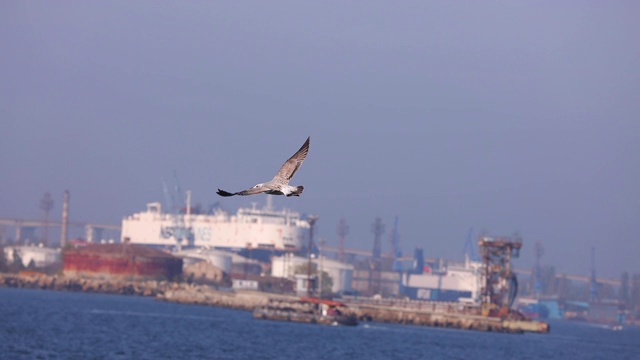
[
  {"x": 36, "y": 256},
  {"x": 219, "y": 259},
  {"x": 459, "y": 283},
  {"x": 385, "y": 283},
  {"x": 341, "y": 274}
]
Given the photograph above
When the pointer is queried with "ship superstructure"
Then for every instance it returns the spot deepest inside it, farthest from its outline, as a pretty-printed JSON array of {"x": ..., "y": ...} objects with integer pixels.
[{"x": 249, "y": 228}]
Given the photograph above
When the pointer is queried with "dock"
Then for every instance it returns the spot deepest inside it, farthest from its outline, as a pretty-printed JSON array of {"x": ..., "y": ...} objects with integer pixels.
[{"x": 445, "y": 316}]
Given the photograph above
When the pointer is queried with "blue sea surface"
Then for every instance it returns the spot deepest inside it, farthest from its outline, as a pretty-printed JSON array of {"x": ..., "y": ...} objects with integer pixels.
[{"x": 37, "y": 324}]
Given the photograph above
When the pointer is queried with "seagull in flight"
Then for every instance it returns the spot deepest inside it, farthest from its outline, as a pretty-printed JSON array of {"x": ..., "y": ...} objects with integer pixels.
[{"x": 279, "y": 185}]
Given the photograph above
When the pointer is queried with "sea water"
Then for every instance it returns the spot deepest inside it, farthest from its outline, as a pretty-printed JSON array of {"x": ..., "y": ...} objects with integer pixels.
[{"x": 37, "y": 324}]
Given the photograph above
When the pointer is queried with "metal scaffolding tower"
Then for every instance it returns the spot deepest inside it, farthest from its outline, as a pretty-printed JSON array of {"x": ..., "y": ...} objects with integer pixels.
[{"x": 499, "y": 282}]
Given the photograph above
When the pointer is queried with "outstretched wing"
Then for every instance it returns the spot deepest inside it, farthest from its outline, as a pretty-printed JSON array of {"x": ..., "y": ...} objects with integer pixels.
[
  {"x": 224, "y": 193},
  {"x": 252, "y": 191},
  {"x": 290, "y": 166}
]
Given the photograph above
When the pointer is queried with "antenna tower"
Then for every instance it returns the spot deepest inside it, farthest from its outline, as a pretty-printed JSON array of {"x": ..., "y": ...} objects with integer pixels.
[{"x": 342, "y": 231}]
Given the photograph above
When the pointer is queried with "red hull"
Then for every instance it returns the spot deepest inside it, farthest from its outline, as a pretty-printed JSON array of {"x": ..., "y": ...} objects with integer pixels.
[{"x": 124, "y": 260}]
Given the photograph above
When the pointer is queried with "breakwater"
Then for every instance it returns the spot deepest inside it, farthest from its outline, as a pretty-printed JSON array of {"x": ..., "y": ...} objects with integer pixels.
[
  {"x": 178, "y": 292},
  {"x": 90, "y": 285},
  {"x": 436, "y": 315}
]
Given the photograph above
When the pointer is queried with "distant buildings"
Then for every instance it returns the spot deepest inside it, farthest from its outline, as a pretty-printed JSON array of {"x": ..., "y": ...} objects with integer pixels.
[
  {"x": 32, "y": 256},
  {"x": 341, "y": 274},
  {"x": 458, "y": 283}
]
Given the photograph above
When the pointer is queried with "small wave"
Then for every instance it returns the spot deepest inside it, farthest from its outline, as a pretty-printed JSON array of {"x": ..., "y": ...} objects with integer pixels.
[
  {"x": 146, "y": 314},
  {"x": 377, "y": 327}
]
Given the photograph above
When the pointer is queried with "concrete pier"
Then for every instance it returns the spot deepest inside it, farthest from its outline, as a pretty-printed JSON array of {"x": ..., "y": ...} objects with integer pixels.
[{"x": 440, "y": 318}]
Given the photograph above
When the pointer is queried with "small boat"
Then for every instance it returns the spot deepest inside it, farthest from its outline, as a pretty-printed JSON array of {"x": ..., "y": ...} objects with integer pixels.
[{"x": 306, "y": 310}]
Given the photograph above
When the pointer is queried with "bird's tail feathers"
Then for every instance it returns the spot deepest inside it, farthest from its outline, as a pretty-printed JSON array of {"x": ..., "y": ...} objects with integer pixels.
[{"x": 297, "y": 191}]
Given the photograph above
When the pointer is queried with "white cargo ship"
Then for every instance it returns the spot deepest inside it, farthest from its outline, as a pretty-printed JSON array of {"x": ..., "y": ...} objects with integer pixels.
[{"x": 249, "y": 228}]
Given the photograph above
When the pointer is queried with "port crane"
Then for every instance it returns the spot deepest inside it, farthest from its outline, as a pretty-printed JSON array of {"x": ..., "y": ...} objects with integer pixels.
[
  {"x": 174, "y": 201},
  {"x": 500, "y": 285},
  {"x": 470, "y": 248}
]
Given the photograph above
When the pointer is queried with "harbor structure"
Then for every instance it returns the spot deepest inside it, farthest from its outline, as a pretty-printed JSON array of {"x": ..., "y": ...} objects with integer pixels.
[
  {"x": 341, "y": 274},
  {"x": 500, "y": 284},
  {"x": 206, "y": 265},
  {"x": 388, "y": 282},
  {"x": 448, "y": 282},
  {"x": 219, "y": 259}
]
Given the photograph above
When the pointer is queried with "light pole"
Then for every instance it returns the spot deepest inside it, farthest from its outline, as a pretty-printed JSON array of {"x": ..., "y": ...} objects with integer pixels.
[
  {"x": 321, "y": 245},
  {"x": 311, "y": 220}
]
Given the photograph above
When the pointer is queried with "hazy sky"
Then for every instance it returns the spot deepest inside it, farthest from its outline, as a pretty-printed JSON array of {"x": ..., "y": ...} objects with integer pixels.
[{"x": 498, "y": 116}]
